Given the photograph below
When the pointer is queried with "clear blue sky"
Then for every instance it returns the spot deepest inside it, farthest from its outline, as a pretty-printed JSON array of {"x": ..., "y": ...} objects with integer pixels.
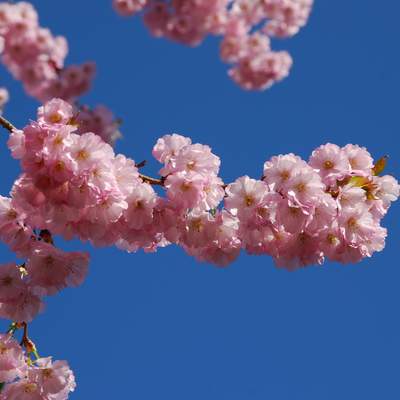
[{"x": 162, "y": 326}]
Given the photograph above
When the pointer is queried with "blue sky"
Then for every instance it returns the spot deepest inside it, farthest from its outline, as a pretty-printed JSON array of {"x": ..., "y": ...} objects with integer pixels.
[{"x": 163, "y": 326}]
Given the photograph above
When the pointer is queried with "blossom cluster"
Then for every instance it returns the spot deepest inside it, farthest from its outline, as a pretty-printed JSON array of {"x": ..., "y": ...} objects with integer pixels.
[
  {"x": 46, "y": 270},
  {"x": 299, "y": 213},
  {"x": 246, "y": 27},
  {"x": 99, "y": 120},
  {"x": 24, "y": 379},
  {"x": 36, "y": 57}
]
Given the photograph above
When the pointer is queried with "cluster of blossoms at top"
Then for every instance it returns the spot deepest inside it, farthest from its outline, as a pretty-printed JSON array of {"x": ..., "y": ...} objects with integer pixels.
[
  {"x": 34, "y": 56},
  {"x": 299, "y": 213},
  {"x": 25, "y": 379},
  {"x": 245, "y": 25}
]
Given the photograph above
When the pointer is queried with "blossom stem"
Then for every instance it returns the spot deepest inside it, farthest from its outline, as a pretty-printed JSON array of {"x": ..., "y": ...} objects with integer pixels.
[
  {"x": 27, "y": 343},
  {"x": 13, "y": 327},
  {"x": 141, "y": 164},
  {"x": 25, "y": 334}
]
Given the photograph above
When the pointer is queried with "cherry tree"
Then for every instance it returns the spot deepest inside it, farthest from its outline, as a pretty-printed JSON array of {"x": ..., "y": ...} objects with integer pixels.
[{"x": 73, "y": 185}]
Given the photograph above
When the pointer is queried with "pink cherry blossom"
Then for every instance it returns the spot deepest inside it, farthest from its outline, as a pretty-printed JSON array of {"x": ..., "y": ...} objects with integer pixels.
[
  {"x": 141, "y": 203},
  {"x": 305, "y": 188},
  {"x": 51, "y": 270},
  {"x": 262, "y": 71},
  {"x": 54, "y": 112},
  {"x": 22, "y": 308},
  {"x": 55, "y": 379},
  {"x": 12, "y": 360},
  {"x": 11, "y": 282},
  {"x": 331, "y": 162},
  {"x": 16, "y": 143},
  {"x": 279, "y": 169},
  {"x": 185, "y": 190},
  {"x": 24, "y": 389},
  {"x": 359, "y": 158},
  {"x": 169, "y": 146},
  {"x": 245, "y": 195},
  {"x": 99, "y": 120}
]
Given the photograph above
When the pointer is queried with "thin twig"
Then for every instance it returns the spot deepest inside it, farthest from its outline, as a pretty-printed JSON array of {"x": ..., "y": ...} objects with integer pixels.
[
  {"x": 25, "y": 334},
  {"x": 7, "y": 124},
  {"x": 152, "y": 181},
  {"x": 141, "y": 164}
]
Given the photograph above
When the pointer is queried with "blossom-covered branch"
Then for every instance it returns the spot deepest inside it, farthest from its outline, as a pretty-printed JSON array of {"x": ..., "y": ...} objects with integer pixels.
[
  {"x": 299, "y": 213},
  {"x": 246, "y": 27}
]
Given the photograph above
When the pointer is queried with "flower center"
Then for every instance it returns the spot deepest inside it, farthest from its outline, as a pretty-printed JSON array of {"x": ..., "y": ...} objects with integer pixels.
[
  {"x": 301, "y": 187},
  {"x": 47, "y": 373},
  {"x": 190, "y": 165},
  {"x": 352, "y": 223},
  {"x": 285, "y": 175},
  {"x": 328, "y": 164},
  {"x": 197, "y": 225},
  {"x": 82, "y": 155},
  {"x": 12, "y": 214},
  {"x": 58, "y": 140},
  {"x": 185, "y": 186},
  {"x": 248, "y": 200},
  {"x": 3, "y": 349},
  {"x": 30, "y": 387},
  {"x": 332, "y": 239},
  {"x": 59, "y": 166},
  {"x": 55, "y": 118}
]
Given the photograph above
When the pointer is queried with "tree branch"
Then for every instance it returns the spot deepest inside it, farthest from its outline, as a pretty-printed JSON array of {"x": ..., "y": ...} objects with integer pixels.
[
  {"x": 7, "y": 124},
  {"x": 152, "y": 181}
]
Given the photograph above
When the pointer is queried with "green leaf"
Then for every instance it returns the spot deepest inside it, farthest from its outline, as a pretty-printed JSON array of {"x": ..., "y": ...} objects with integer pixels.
[
  {"x": 380, "y": 165},
  {"x": 358, "y": 181},
  {"x": 1, "y": 386}
]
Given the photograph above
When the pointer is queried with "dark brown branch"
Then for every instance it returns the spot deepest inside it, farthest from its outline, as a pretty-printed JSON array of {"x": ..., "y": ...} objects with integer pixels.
[
  {"x": 25, "y": 334},
  {"x": 141, "y": 164},
  {"x": 152, "y": 181},
  {"x": 7, "y": 124}
]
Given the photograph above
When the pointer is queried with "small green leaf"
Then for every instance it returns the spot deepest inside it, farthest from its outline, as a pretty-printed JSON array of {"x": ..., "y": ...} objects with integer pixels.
[
  {"x": 358, "y": 181},
  {"x": 1, "y": 386},
  {"x": 380, "y": 165}
]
